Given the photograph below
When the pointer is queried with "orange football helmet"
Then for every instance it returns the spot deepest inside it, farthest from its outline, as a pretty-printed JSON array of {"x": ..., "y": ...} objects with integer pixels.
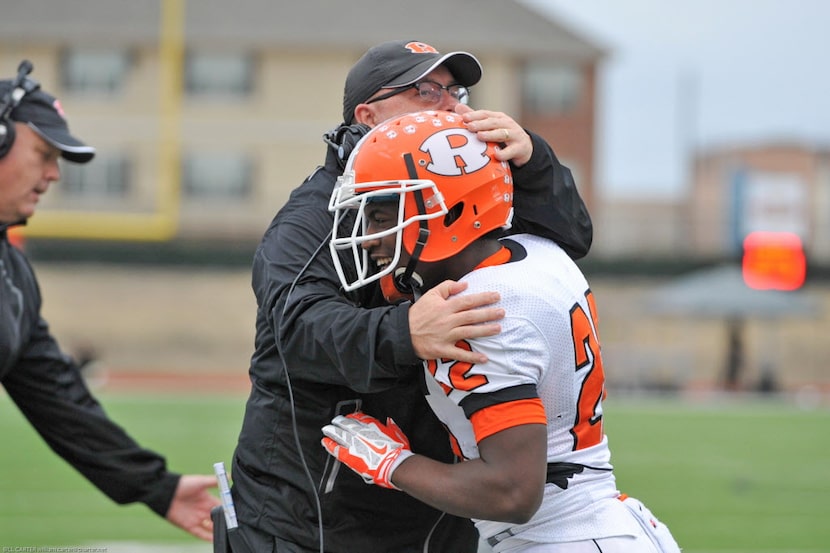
[{"x": 450, "y": 188}]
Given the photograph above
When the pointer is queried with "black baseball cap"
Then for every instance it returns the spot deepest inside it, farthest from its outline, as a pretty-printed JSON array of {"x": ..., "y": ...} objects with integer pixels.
[
  {"x": 401, "y": 63},
  {"x": 44, "y": 114}
]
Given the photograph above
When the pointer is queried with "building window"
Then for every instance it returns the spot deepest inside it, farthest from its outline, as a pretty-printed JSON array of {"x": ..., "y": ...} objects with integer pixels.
[
  {"x": 217, "y": 176},
  {"x": 208, "y": 74},
  {"x": 105, "y": 179},
  {"x": 551, "y": 89},
  {"x": 94, "y": 71}
]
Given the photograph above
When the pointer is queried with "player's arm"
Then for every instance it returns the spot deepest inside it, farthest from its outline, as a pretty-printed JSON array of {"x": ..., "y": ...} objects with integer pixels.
[{"x": 506, "y": 483}]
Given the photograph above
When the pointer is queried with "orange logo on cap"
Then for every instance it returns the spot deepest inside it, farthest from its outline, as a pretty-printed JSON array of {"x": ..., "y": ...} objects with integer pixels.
[
  {"x": 420, "y": 48},
  {"x": 57, "y": 105}
]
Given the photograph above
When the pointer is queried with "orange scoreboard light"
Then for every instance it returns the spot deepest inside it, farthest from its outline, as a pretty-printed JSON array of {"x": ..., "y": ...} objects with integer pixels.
[{"x": 774, "y": 261}]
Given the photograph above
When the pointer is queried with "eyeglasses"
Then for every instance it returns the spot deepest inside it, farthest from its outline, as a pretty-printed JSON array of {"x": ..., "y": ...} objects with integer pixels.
[{"x": 429, "y": 92}]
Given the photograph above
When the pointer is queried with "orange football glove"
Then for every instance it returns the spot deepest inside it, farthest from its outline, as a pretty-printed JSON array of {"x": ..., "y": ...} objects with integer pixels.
[{"x": 367, "y": 446}]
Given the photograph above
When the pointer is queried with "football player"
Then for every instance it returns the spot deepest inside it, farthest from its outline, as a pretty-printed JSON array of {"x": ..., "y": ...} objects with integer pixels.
[{"x": 422, "y": 200}]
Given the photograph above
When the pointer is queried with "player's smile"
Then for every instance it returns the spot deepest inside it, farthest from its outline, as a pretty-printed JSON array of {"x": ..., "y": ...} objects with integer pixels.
[
  {"x": 381, "y": 262},
  {"x": 382, "y": 216}
]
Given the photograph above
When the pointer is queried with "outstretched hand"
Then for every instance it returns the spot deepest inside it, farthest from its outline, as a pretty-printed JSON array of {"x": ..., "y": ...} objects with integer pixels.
[
  {"x": 440, "y": 319},
  {"x": 367, "y": 446},
  {"x": 191, "y": 505}
]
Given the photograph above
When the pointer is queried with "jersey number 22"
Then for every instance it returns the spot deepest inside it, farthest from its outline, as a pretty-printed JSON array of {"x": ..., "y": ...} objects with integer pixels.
[{"x": 587, "y": 429}]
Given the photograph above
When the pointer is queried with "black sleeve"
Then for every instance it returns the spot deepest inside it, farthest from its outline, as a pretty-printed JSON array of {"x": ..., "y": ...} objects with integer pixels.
[
  {"x": 324, "y": 336},
  {"x": 547, "y": 203},
  {"x": 49, "y": 389}
]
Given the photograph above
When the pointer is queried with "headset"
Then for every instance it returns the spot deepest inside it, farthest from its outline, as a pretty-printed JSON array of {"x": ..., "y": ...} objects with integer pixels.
[
  {"x": 295, "y": 429},
  {"x": 21, "y": 86},
  {"x": 343, "y": 139}
]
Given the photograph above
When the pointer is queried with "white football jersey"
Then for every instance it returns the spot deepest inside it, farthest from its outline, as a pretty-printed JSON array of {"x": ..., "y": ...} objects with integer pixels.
[{"x": 548, "y": 350}]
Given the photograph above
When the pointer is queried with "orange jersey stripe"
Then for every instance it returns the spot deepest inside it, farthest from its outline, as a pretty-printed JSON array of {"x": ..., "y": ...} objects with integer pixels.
[
  {"x": 490, "y": 420},
  {"x": 499, "y": 258}
]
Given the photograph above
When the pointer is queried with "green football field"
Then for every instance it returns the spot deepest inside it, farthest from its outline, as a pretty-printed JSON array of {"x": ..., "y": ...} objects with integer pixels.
[{"x": 726, "y": 475}]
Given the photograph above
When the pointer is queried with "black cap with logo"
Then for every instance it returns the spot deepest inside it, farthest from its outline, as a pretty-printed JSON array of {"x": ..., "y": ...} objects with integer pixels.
[
  {"x": 44, "y": 114},
  {"x": 401, "y": 63}
]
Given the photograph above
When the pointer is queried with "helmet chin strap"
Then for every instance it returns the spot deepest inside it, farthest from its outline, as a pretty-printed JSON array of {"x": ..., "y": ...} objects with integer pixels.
[
  {"x": 395, "y": 291},
  {"x": 405, "y": 280}
]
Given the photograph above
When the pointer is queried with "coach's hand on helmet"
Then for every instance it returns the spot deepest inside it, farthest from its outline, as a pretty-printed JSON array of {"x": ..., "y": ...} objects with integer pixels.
[{"x": 495, "y": 126}]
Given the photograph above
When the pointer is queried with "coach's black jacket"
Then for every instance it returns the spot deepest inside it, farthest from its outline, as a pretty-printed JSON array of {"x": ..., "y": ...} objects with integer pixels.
[
  {"x": 48, "y": 388},
  {"x": 335, "y": 356}
]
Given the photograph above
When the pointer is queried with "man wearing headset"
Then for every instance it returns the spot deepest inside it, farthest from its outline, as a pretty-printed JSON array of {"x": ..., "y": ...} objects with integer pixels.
[
  {"x": 43, "y": 382},
  {"x": 321, "y": 352}
]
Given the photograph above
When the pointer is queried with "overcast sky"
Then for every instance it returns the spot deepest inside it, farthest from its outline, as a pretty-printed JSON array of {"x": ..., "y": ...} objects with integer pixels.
[{"x": 699, "y": 73}]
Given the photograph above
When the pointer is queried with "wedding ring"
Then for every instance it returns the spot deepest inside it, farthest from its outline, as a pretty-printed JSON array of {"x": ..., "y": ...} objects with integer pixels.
[{"x": 506, "y": 135}]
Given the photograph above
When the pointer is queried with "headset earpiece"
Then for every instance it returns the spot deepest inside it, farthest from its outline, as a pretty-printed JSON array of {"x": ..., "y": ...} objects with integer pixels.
[
  {"x": 343, "y": 139},
  {"x": 21, "y": 86},
  {"x": 7, "y": 135}
]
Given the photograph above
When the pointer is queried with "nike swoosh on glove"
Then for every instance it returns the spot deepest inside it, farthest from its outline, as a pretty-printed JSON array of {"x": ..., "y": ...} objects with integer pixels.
[{"x": 367, "y": 446}]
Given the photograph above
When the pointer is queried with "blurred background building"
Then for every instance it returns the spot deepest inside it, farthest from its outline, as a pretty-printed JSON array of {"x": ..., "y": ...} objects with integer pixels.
[{"x": 206, "y": 114}]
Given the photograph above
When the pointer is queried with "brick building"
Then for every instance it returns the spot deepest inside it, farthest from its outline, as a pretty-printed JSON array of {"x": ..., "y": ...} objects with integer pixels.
[{"x": 206, "y": 113}]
